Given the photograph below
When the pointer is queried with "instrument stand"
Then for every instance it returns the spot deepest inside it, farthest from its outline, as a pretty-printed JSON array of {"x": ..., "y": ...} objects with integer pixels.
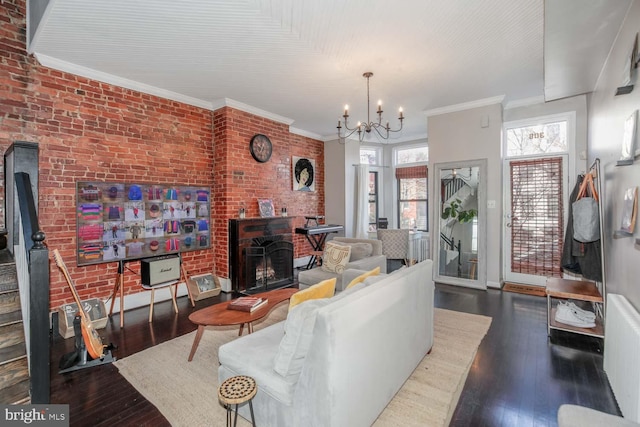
[
  {"x": 185, "y": 278},
  {"x": 81, "y": 356},
  {"x": 118, "y": 288},
  {"x": 315, "y": 219}
]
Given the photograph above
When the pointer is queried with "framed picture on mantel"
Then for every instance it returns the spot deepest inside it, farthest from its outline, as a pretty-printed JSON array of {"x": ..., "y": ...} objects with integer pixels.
[{"x": 265, "y": 206}]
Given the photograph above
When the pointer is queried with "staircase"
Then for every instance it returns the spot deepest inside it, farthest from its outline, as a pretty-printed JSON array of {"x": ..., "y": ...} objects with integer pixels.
[{"x": 14, "y": 366}]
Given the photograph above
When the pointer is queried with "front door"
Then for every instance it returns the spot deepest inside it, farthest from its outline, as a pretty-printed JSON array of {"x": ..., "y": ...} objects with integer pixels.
[
  {"x": 535, "y": 176},
  {"x": 534, "y": 219}
]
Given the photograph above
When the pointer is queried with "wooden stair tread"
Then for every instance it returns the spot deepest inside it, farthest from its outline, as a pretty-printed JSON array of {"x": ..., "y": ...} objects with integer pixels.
[
  {"x": 12, "y": 353},
  {"x": 14, "y": 367},
  {"x": 10, "y": 318},
  {"x": 16, "y": 393}
]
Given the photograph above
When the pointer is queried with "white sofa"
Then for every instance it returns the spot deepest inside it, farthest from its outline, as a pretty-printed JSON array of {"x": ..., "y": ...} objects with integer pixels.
[
  {"x": 579, "y": 416},
  {"x": 375, "y": 259},
  {"x": 364, "y": 344}
]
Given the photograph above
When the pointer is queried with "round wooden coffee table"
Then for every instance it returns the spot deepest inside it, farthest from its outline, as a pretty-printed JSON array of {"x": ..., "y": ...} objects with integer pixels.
[{"x": 219, "y": 315}]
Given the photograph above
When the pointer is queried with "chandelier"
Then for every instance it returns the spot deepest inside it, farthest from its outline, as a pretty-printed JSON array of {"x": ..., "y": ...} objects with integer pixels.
[{"x": 363, "y": 129}]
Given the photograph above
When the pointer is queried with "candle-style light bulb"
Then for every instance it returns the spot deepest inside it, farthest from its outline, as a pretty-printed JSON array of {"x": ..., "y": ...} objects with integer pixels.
[
  {"x": 380, "y": 106},
  {"x": 401, "y": 116},
  {"x": 346, "y": 110}
]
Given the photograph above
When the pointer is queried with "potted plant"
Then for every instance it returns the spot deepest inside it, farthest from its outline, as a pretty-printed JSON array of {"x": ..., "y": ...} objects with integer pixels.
[{"x": 454, "y": 211}]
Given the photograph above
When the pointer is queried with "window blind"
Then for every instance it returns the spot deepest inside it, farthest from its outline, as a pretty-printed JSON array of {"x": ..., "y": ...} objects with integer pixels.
[{"x": 537, "y": 216}]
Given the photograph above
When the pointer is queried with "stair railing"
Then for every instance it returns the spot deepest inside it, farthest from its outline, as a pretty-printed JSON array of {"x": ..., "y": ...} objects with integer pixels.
[
  {"x": 37, "y": 271},
  {"x": 451, "y": 187}
]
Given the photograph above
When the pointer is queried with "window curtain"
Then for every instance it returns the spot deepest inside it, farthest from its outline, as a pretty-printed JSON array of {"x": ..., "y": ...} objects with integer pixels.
[{"x": 362, "y": 202}]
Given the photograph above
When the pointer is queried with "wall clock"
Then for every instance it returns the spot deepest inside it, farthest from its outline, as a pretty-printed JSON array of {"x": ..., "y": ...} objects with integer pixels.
[{"x": 260, "y": 147}]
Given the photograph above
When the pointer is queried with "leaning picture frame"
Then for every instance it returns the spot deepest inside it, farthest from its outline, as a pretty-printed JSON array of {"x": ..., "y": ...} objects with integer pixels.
[
  {"x": 205, "y": 282},
  {"x": 204, "y": 286},
  {"x": 265, "y": 206},
  {"x": 628, "y": 140},
  {"x": 629, "y": 210}
]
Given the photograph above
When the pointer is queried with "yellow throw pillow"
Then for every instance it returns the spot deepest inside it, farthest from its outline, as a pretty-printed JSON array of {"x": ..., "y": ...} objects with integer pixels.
[
  {"x": 324, "y": 289},
  {"x": 363, "y": 276},
  {"x": 335, "y": 257}
]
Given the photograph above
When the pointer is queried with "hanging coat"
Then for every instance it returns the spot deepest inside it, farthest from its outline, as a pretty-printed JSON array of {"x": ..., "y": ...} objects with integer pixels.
[{"x": 577, "y": 257}]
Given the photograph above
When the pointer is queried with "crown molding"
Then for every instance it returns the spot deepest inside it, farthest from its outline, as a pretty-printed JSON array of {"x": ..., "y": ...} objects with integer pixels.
[
  {"x": 525, "y": 102},
  {"x": 306, "y": 134},
  {"x": 228, "y": 102},
  {"x": 90, "y": 73},
  {"x": 465, "y": 106}
]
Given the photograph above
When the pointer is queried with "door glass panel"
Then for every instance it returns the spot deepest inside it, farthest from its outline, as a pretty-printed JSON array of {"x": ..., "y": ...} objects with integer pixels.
[{"x": 537, "y": 139}]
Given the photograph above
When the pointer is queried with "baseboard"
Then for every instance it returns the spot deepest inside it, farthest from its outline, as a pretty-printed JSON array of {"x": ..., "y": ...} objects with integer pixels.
[
  {"x": 495, "y": 285},
  {"x": 142, "y": 299}
]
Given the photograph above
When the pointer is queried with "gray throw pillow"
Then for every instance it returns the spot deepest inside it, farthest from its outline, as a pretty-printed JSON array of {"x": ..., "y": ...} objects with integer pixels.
[{"x": 360, "y": 250}]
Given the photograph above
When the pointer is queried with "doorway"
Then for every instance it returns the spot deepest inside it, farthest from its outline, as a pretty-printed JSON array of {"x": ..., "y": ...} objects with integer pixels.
[{"x": 535, "y": 184}]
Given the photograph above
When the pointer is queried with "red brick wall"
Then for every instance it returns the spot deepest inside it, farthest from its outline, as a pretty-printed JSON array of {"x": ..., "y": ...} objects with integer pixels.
[
  {"x": 93, "y": 131},
  {"x": 239, "y": 181}
]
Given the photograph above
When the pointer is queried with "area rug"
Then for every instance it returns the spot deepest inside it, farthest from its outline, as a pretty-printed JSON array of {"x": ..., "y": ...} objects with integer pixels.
[
  {"x": 518, "y": 288},
  {"x": 186, "y": 392}
]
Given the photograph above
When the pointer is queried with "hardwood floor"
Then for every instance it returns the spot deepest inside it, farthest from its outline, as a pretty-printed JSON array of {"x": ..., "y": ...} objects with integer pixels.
[{"x": 519, "y": 376}]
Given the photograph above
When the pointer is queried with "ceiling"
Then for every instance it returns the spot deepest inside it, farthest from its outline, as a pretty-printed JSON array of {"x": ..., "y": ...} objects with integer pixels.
[{"x": 301, "y": 61}]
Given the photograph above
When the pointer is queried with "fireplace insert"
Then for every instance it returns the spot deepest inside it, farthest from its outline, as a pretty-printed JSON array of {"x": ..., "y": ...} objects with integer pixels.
[{"x": 261, "y": 254}]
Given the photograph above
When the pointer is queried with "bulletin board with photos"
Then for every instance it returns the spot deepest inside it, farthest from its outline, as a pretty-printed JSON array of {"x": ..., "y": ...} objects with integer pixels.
[{"x": 127, "y": 221}]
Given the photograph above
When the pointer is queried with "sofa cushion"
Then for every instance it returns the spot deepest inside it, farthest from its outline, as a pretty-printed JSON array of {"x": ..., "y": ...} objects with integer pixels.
[
  {"x": 308, "y": 278},
  {"x": 298, "y": 331},
  {"x": 335, "y": 257},
  {"x": 324, "y": 289},
  {"x": 374, "y": 279},
  {"x": 348, "y": 292},
  {"x": 363, "y": 276},
  {"x": 254, "y": 355},
  {"x": 359, "y": 250}
]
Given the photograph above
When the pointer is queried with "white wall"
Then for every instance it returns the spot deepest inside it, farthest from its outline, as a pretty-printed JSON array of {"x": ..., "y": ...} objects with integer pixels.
[
  {"x": 339, "y": 184},
  {"x": 607, "y": 114},
  {"x": 460, "y": 136}
]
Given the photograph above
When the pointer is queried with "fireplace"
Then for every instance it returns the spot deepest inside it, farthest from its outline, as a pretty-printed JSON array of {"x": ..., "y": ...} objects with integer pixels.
[{"x": 261, "y": 254}]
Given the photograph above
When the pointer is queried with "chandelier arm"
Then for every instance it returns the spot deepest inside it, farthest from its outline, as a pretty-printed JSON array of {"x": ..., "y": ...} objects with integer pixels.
[
  {"x": 348, "y": 134},
  {"x": 347, "y": 126},
  {"x": 397, "y": 130},
  {"x": 377, "y": 129}
]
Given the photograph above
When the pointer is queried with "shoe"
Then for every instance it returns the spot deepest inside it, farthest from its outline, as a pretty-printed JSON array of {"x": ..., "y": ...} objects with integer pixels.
[
  {"x": 582, "y": 313},
  {"x": 572, "y": 310},
  {"x": 569, "y": 316},
  {"x": 590, "y": 315}
]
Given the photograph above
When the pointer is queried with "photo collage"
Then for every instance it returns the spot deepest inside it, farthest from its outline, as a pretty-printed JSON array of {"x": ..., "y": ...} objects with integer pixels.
[{"x": 118, "y": 221}]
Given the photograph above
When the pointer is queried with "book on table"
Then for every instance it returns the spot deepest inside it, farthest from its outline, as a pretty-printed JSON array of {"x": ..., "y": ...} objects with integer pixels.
[{"x": 248, "y": 304}]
